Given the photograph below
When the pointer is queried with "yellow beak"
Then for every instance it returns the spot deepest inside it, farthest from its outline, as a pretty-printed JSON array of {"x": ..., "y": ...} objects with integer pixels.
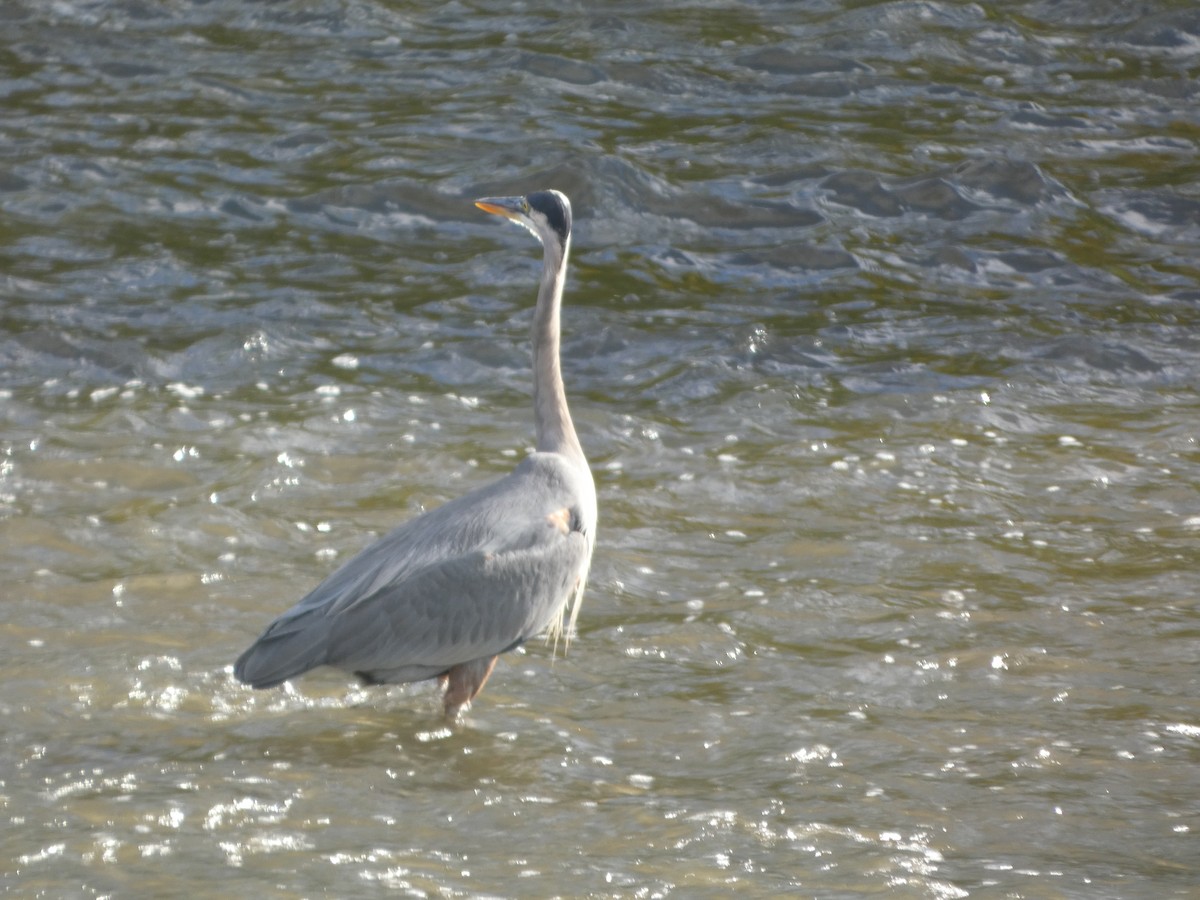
[{"x": 509, "y": 207}]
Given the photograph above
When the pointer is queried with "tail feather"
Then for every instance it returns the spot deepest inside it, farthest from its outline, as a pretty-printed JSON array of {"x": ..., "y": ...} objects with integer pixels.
[{"x": 278, "y": 656}]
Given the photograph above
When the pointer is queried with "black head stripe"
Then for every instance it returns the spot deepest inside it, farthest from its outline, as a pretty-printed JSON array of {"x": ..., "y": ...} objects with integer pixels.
[{"x": 556, "y": 211}]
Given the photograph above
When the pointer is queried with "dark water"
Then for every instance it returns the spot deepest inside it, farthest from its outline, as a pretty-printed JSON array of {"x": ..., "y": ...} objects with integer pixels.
[{"x": 882, "y": 337}]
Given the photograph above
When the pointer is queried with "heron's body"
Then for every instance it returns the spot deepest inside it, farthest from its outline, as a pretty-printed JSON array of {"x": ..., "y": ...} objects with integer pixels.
[{"x": 447, "y": 592}]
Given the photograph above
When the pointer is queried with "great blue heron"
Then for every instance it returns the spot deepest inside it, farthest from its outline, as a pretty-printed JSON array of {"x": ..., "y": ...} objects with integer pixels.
[{"x": 447, "y": 592}]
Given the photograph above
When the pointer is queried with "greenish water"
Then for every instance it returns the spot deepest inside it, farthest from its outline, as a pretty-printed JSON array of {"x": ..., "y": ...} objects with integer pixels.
[{"x": 881, "y": 335}]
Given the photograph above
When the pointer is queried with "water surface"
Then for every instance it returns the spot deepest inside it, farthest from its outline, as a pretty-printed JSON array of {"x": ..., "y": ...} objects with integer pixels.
[{"x": 881, "y": 335}]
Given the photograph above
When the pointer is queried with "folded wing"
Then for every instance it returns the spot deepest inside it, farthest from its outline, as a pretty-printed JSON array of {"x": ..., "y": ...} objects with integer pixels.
[{"x": 471, "y": 579}]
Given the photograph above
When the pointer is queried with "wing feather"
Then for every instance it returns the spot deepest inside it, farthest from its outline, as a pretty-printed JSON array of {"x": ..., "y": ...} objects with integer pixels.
[{"x": 470, "y": 579}]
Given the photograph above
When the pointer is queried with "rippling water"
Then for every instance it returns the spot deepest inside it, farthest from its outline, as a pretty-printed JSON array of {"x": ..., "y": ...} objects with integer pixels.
[{"x": 882, "y": 337}]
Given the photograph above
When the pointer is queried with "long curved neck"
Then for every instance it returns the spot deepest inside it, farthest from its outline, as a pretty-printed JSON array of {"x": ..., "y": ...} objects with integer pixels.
[{"x": 555, "y": 430}]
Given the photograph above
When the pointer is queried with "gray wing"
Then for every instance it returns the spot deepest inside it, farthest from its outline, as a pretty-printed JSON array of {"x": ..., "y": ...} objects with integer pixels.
[{"x": 471, "y": 579}]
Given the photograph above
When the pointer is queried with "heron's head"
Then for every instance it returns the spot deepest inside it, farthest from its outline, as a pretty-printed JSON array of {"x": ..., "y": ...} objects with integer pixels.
[{"x": 545, "y": 213}]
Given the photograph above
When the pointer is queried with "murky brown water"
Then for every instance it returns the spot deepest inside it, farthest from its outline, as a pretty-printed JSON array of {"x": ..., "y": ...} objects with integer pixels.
[{"x": 882, "y": 336}]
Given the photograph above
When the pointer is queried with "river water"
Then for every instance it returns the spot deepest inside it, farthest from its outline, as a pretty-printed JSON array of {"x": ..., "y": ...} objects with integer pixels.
[{"x": 883, "y": 338}]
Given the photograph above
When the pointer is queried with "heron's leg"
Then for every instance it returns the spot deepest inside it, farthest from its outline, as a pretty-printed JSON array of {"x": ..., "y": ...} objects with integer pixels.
[{"x": 464, "y": 682}]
